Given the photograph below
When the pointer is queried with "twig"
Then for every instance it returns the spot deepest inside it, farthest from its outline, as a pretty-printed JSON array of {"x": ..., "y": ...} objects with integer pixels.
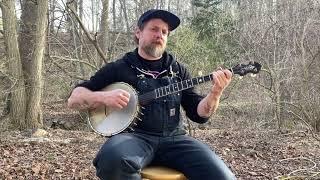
[
  {"x": 91, "y": 39},
  {"x": 66, "y": 72},
  {"x": 315, "y": 174},
  {"x": 301, "y": 119},
  {"x": 298, "y": 170},
  {"x": 75, "y": 60}
]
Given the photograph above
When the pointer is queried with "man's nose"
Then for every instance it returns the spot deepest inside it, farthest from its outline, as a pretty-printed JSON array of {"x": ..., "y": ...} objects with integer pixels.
[{"x": 159, "y": 34}]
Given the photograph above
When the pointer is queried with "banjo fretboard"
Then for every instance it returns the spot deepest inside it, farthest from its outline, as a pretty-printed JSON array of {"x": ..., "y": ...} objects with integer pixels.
[{"x": 173, "y": 88}]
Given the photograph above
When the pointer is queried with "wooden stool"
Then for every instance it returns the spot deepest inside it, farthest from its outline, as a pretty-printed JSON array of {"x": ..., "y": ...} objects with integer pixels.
[{"x": 161, "y": 173}]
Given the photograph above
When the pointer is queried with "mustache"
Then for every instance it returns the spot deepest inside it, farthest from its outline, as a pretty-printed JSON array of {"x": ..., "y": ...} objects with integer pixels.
[{"x": 157, "y": 43}]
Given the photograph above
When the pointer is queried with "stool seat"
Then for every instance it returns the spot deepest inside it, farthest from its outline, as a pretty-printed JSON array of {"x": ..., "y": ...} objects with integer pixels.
[{"x": 161, "y": 173}]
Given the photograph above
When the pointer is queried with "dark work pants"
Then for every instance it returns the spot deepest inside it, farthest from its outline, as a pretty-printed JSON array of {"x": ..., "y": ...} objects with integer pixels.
[{"x": 123, "y": 156}]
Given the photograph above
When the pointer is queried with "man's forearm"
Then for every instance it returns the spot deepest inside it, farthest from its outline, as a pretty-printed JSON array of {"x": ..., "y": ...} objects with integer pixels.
[
  {"x": 208, "y": 105},
  {"x": 80, "y": 98}
]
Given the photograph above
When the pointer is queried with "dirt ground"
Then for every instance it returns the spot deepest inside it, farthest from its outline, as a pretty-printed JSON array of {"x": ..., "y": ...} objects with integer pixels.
[
  {"x": 250, "y": 153},
  {"x": 65, "y": 154}
]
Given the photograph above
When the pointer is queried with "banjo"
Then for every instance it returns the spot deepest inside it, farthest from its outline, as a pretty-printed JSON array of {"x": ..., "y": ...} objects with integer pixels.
[{"x": 108, "y": 122}]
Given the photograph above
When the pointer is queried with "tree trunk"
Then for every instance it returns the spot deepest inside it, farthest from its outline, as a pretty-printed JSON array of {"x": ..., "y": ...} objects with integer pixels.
[
  {"x": 80, "y": 31},
  {"x": 93, "y": 15},
  {"x": 52, "y": 15},
  {"x": 80, "y": 14},
  {"x": 72, "y": 23},
  {"x": 34, "y": 111},
  {"x": 178, "y": 8},
  {"x": 114, "y": 15},
  {"x": 104, "y": 29},
  {"x": 32, "y": 45},
  {"x": 125, "y": 14},
  {"x": 18, "y": 95}
]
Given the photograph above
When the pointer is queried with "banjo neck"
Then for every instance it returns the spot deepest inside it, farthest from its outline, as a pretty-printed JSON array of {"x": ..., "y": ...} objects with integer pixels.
[
  {"x": 173, "y": 88},
  {"x": 240, "y": 69}
]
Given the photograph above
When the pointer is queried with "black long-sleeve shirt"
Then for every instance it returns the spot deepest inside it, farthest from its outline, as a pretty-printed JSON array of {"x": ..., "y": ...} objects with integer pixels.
[{"x": 122, "y": 71}]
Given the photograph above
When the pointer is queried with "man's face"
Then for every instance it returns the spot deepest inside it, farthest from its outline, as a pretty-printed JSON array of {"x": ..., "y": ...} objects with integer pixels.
[{"x": 153, "y": 37}]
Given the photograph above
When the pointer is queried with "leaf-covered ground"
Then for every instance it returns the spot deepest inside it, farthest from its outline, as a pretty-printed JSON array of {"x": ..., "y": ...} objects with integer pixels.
[{"x": 251, "y": 154}]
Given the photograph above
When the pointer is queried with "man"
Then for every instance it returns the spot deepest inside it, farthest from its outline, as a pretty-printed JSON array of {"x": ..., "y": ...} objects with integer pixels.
[{"x": 159, "y": 138}]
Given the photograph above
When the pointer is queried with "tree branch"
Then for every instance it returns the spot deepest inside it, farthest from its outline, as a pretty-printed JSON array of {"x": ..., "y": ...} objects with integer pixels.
[
  {"x": 75, "y": 60},
  {"x": 92, "y": 40}
]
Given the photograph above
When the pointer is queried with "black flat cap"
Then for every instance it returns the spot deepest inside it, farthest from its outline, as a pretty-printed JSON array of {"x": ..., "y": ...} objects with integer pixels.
[{"x": 172, "y": 20}]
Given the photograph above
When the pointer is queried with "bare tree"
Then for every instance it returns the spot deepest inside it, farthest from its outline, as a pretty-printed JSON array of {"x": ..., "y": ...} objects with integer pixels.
[
  {"x": 72, "y": 25},
  {"x": 104, "y": 28},
  {"x": 32, "y": 45},
  {"x": 18, "y": 95},
  {"x": 283, "y": 35},
  {"x": 52, "y": 15},
  {"x": 125, "y": 14}
]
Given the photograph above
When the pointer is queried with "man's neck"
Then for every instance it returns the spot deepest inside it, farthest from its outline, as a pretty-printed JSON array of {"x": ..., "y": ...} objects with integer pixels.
[{"x": 146, "y": 56}]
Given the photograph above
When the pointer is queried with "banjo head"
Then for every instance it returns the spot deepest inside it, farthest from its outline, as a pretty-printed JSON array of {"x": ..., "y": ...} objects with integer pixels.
[{"x": 107, "y": 121}]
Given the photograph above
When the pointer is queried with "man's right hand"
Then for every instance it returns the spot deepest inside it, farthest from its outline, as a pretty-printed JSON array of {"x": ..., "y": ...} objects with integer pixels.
[
  {"x": 117, "y": 98},
  {"x": 82, "y": 98}
]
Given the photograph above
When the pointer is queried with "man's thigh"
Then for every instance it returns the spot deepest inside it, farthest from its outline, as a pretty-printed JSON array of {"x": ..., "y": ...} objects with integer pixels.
[
  {"x": 195, "y": 159},
  {"x": 126, "y": 152}
]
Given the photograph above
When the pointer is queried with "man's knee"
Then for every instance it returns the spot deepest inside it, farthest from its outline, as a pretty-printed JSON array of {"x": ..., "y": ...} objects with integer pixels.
[
  {"x": 112, "y": 163},
  {"x": 227, "y": 176},
  {"x": 218, "y": 169},
  {"x": 221, "y": 171}
]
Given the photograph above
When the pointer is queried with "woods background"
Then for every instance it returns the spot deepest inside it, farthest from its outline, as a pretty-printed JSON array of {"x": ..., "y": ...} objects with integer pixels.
[
  {"x": 44, "y": 52},
  {"x": 266, "y": 127}
]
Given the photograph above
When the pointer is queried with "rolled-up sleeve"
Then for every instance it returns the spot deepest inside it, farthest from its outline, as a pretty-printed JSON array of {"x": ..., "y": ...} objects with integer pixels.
[{"x": 190, "y": 99}]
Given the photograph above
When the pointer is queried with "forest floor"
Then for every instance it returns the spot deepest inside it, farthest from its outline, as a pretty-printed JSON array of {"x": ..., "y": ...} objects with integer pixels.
[{"x": 250, "y": 153}]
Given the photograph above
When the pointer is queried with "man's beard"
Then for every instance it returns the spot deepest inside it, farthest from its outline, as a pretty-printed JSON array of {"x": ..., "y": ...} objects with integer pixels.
[{"x": 154, "y": 49}]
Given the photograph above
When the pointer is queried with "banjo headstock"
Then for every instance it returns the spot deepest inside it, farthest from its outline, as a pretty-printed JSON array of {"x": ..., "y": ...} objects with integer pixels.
[{"x": 243, "y": 69}]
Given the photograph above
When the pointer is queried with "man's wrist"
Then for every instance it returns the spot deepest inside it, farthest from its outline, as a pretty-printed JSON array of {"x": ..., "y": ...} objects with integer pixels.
[
  {"x": 214, "y": 94},
  {"x": 95, "y": 97}
]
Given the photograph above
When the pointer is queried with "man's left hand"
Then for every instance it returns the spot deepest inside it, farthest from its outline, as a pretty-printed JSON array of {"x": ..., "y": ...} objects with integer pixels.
[{"x": 221, "y": 79}]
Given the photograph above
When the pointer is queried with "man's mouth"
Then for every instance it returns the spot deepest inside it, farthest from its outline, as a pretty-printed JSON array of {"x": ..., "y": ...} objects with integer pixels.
[{"x": 157, "y": 43}]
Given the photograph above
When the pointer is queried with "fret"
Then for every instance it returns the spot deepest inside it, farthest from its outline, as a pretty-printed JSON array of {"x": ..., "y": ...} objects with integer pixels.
[
  {"x": 163, "y": 91},
  {"x": 184, "y": 84},
  {"x": 175, "y": 87},
  {"x": 157, "y": 93},
  {"x": 195, "y": 81},
  {"x": 168, "y": 89},
  {"x": 179, "y": 86},
  {"x": 189, "y": 82},
  {"x": 207, "y": 78},
  {"x": 171, "y": 88}
]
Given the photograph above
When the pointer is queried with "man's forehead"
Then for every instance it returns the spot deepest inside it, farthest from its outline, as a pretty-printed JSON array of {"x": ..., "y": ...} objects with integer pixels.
[{"x": 158, "y": 22}]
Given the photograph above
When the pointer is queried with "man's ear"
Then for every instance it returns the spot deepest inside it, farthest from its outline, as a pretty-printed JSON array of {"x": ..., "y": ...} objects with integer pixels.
[{"x": 137, "y": 34}]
